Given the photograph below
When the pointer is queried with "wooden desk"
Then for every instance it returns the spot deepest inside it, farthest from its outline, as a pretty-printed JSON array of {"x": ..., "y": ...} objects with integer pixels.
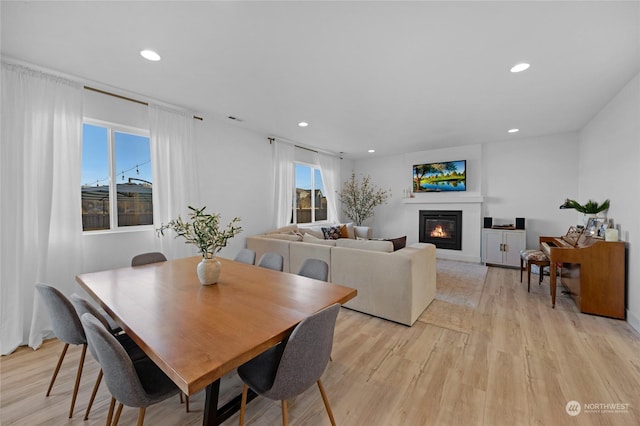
[{"x": 196, "y": 333}]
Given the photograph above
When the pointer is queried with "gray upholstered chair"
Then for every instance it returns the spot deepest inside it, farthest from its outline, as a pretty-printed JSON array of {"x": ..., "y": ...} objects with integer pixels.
[
  {"x": 315, "y": 268},
  {"x": 246, "y": 256},
  {"x": 272, "y": 261},
  {"x": 68, "y": 328},
  {"x": 146, "y": 258},
  {"x": 82, "y": 307},
  {"x": 291, "y": 367},
  {"x": 134, "y": 384}
]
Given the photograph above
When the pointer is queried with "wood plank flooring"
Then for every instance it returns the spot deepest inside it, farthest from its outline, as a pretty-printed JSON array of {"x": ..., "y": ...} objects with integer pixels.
[{"x": 485, "y": 352}]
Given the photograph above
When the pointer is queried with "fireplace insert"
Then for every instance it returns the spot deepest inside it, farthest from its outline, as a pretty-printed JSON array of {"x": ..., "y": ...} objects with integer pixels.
[{"x": 443, "y": 228}]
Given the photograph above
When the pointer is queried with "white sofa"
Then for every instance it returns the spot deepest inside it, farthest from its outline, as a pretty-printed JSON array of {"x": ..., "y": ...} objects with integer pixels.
[{"x": 394, "y": 285}]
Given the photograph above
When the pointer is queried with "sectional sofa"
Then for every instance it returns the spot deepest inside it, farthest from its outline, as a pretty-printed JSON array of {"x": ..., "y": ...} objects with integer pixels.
[{"x": 394, "y": 285}]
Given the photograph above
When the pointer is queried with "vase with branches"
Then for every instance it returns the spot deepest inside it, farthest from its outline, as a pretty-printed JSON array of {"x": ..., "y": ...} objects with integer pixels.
[
  {"x": 203, "y": 230},
  {"x": 359, "y": 197}
]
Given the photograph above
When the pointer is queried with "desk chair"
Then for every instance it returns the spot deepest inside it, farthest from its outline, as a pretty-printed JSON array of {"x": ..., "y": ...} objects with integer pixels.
[
  {"x": 271, "y": 261},
  {"x": 246, "y": 256},
  {"x": 68, "y": 328},
  {"x": 315, "y": 268},
  {"x": 292, "y": 366},
  {"x": 146, "y": 258},
  {"x": 135, "y": 384}
]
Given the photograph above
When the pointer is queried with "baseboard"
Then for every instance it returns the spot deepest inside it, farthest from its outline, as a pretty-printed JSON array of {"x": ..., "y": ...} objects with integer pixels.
[
  {"x": 455, "y": 256},
  {"x": 633, "y": 320}
]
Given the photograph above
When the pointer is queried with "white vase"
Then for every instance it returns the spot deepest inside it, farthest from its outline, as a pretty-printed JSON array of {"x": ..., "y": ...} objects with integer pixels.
[{"x": 208, "y": 271}]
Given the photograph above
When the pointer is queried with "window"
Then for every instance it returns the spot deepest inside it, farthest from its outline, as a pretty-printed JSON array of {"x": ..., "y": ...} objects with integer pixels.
[
  {"x": 117, "y": 186},
  {"x": 310, "y": 201}
]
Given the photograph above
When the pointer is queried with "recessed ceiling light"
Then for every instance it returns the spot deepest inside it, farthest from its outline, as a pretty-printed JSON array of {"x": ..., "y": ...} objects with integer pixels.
[
  {"x": 372, "y": 150},
  {"x": 520, "y": 67},
  {"x": 150, "y": 55},
  {"x": 513, "y": 130},
  {"x": 303, "y": 124}
]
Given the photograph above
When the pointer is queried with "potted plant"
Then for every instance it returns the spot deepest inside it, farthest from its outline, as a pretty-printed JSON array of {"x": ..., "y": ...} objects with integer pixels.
[
  {"x": 359, "y": 198},
  {"x": 203, "y": 230},
  {"x": 590, "y": 209}
]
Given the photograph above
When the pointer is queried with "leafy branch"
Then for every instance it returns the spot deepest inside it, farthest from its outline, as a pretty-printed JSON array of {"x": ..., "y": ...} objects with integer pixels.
[
  {"x": 203, "y": 231},
  {"x": 591, "y": 207},
  {"x": 359, "y": 198}
]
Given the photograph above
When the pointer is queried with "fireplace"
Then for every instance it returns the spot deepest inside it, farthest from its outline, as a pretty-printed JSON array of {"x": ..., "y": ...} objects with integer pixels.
[{"x": 442, "y": 228}]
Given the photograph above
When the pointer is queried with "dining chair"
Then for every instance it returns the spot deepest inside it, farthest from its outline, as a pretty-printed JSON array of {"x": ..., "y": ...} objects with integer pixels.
[
  {"x": 246, "y": 256},
  {"x": 146, "y": 258},
  {"x": 68, "y": 328},
  {"x": 83, "y": 306},
  {"x": 292, "y": 366},
  {"x": 271, "y": 261},
  {"x": 134, "y": 384},
  {"x": 315, "y": 268}
]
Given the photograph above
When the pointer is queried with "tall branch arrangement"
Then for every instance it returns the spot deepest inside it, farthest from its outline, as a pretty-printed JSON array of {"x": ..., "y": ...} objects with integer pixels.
[
  {"x": 203, "y": 231},
  {"x": 359, "y": 198}
]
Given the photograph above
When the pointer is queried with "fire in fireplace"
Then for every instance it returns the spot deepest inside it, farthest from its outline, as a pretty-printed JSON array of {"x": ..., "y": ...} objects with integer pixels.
[{"x": 442, "y": 228}]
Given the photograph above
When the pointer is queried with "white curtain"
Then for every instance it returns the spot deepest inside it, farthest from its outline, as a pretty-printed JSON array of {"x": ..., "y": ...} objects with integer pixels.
[
  {"x": 283, "y": 158},
  {"x": 330, "y": 169},
  {"x": 175, "y": 175},
  {"x": 40, "y": 220}
]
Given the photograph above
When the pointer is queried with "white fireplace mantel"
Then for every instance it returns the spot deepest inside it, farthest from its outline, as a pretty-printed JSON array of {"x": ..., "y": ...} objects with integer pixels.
[{"x": 444, "y": 200}]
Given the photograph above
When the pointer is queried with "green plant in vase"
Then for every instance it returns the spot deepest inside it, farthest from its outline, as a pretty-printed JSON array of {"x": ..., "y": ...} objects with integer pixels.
[{"x": 203, "y": 230}]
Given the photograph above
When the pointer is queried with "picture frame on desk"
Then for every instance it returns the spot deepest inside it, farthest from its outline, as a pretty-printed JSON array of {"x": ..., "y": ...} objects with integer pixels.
[{"x": 596, "y": 227}]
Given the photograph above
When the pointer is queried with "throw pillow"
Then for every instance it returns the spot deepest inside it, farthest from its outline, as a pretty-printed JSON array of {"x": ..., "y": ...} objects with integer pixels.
[
  {"x": 343, "y": 231},
  {"x": 398, "y": 243},
  {"x": 332, "y": 233}
]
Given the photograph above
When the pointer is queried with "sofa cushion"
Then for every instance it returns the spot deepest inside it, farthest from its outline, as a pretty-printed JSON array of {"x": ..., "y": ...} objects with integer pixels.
[
  {"x": 398, "y": 243},
  {"x": 288, "y": 237},
  {"x": 285, "y": 229},
  {"x": 373, "y": 245},
  {"x": 309, "y": 238},
  {"x": 316, "y": 231}
]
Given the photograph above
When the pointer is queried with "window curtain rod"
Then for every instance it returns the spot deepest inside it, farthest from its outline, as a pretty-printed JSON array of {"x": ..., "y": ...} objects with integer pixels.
[
  {"x": 272, "y": 139},
  {"x": 104, "y": 92}
]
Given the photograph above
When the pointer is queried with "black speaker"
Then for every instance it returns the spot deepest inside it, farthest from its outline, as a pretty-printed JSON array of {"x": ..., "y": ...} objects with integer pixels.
[
  {"x": 519, "y": 222},
  {"x": 488, "y": 222}
]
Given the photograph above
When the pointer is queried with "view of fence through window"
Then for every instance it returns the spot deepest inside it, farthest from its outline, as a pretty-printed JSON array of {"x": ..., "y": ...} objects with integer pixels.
[
  {"x": 310, "y": 201},
  {"x": 111, "y": 156}
]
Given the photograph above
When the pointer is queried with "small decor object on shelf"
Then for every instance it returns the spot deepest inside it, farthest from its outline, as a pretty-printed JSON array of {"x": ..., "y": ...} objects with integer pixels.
[
  {"x": 203, "y": 231},
  {"x": 590, "y": 209},
  {"x": 359, "y": 198}
]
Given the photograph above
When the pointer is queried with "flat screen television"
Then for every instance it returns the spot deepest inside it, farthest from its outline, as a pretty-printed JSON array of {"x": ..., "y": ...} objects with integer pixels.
[{"x": 440, "y": 177}]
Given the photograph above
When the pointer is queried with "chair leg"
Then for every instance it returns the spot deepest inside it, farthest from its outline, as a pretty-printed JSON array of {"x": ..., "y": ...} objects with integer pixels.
[
  {"x": 326, "y": 403},
  {"x": 93, "y": 395},
  {"x": 243, "y": 403},
  {"x": 528, "y": 277},
  {"x": 55, "y": 372},
  {"x": 141, "y": 416},
  {"x": 118, "y": 412},
  {"x": 285, "y": 416},
  {"x": 521, "y": 269},
  {"x": 110, "y": 413},
  {"x": 78, "y": 376}
]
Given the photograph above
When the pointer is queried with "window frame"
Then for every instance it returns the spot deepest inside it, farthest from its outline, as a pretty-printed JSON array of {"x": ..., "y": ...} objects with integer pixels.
[
  {"x": 113, "y": 128},
  {"x": 294, "y": 209}
]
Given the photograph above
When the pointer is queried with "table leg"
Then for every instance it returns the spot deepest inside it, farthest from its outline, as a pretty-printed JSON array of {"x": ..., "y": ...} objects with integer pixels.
[
  {"x": 210, "y": 417},
  {"x": 552, "y": 283}
]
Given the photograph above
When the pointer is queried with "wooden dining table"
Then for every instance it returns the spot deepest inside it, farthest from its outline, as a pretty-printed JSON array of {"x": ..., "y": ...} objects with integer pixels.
[{"x": 195, "y": 333}]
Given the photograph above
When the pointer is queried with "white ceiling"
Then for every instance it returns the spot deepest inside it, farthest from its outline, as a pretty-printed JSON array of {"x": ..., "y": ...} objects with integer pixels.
[{"x": 391, "y": 76}]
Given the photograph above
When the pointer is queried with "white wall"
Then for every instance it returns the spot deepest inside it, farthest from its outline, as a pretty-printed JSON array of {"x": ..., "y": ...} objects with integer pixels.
[
  {"x": 531, "y": 178},
  {"x": 527, "y": 178},
  {"x": 609, "y": 160}
]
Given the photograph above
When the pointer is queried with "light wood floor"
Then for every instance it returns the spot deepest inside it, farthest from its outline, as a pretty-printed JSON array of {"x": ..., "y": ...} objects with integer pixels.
[{"x": 484, "y": 353}]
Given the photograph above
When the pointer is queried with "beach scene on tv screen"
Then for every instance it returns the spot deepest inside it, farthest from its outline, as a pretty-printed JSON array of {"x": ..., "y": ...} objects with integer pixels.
[{"x": 440, "y": 177}]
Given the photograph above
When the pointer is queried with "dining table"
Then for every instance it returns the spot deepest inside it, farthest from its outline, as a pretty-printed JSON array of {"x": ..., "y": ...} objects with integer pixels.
[{"x": 198, "y": 333}]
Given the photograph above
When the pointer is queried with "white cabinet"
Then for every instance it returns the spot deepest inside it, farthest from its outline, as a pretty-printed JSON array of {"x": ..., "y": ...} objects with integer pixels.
[{"x": 502, "y": 246}]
